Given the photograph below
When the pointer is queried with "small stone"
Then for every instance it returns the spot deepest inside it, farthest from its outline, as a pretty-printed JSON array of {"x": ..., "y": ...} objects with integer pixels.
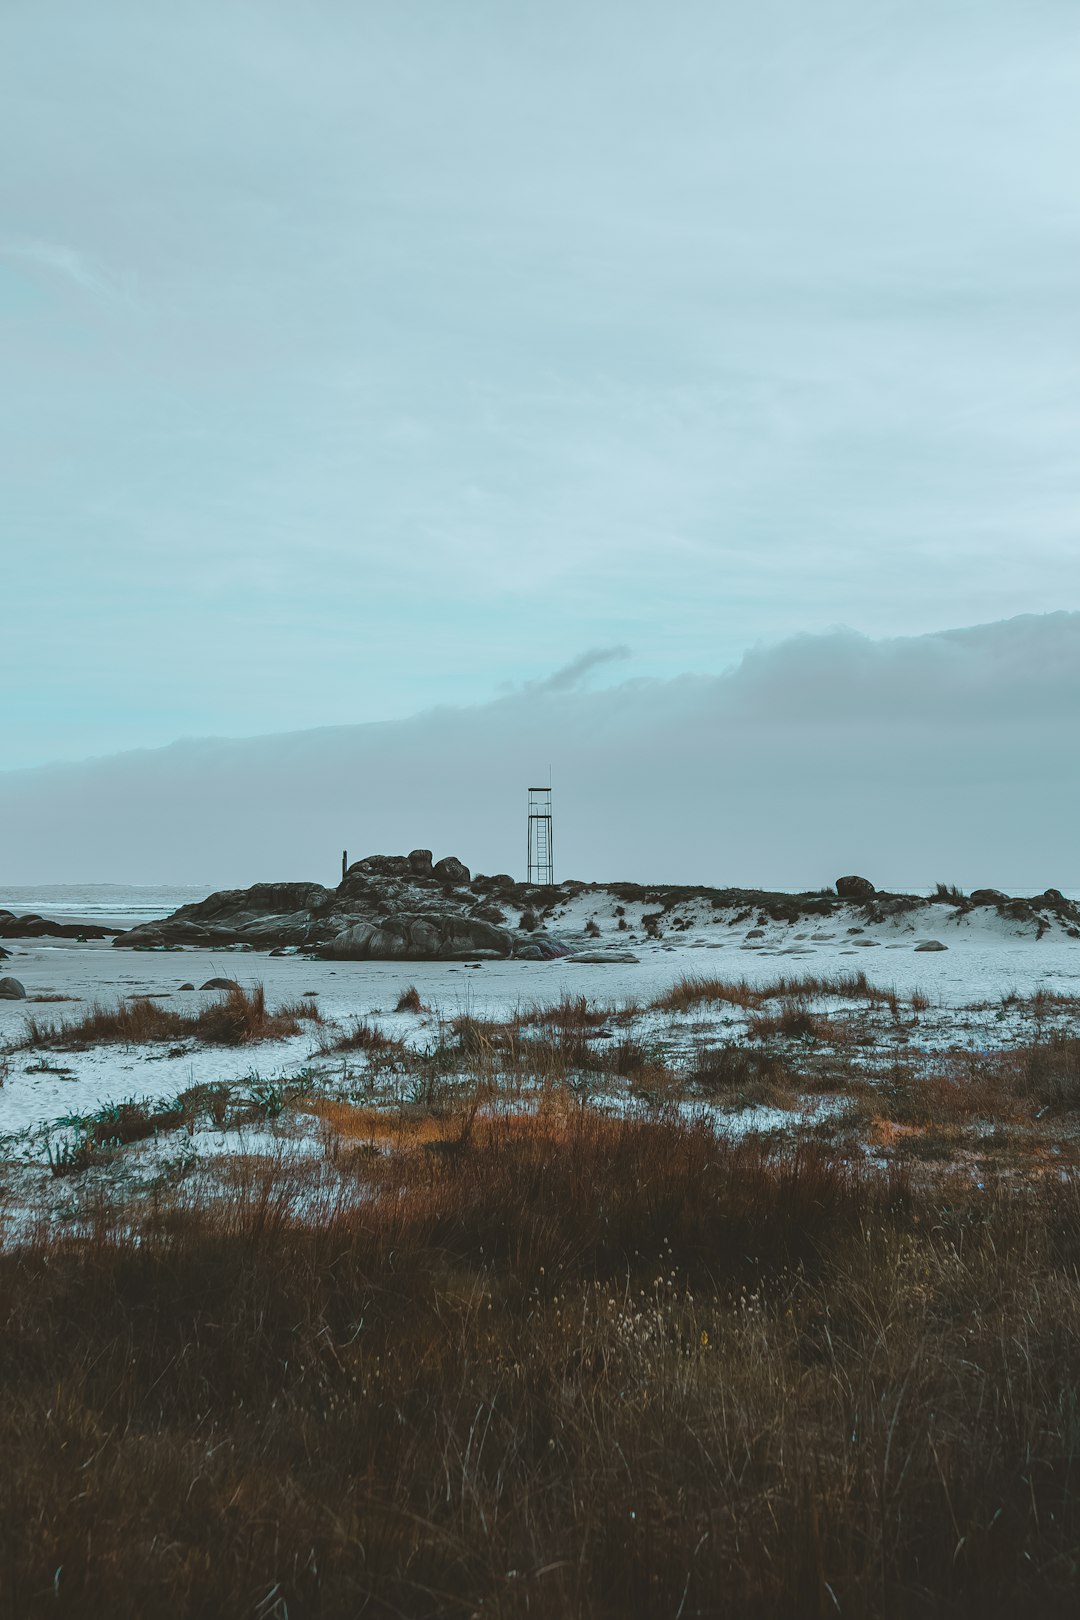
[
  {"x": 931, "y": 945},
  {"x": 605, "y": 956}
]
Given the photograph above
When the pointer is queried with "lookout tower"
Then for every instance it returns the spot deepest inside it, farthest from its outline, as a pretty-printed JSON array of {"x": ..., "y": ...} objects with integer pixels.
[{"x": 541, "y": 856}]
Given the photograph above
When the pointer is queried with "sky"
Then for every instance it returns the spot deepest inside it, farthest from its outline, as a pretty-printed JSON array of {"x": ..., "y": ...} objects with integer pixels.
[{"x": 361, "y": 358}]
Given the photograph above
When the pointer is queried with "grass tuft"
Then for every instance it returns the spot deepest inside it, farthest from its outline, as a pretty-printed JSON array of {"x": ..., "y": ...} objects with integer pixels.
[{"x": 238, "y": 1017}]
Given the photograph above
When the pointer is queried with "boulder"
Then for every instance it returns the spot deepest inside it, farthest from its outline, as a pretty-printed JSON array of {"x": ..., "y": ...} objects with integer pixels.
[
  {"x": 988, "y": 897},
  {"x": 854, "y": 888},
  {"x": 185, "y": 987},
  {"x": 382, "y": 866},
  {"x": 540, "y": 948},
  {"x": 420, "y": 862},
  {"x": 12, "y": 990},
  {"x": 451, "y": 870},
  {"x": 220, "y": 984},
  {"x": 418, "y": 936},
  {"x": 4, "y": 954},
  {"x": 1053, "y": 897},
  {"x": 931, "y": 945}
]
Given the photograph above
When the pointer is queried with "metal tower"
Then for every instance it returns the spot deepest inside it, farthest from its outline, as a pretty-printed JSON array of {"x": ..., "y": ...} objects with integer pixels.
[{"x": 541, "y": 853}]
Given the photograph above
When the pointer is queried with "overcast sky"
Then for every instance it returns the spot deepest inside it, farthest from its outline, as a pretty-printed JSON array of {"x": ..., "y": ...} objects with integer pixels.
[{"x": 360, "y": 357}]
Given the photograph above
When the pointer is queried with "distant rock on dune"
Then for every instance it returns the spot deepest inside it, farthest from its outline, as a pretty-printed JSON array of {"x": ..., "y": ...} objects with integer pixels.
[{"x": 854, "y": 888}]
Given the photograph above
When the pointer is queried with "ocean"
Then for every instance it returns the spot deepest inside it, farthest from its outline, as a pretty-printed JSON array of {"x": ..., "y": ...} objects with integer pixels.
[{"x": 120, "y": 903}]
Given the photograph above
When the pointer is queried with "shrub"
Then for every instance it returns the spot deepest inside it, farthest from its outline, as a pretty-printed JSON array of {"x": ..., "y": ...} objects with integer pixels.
[{"x": 409, "y": 1001}]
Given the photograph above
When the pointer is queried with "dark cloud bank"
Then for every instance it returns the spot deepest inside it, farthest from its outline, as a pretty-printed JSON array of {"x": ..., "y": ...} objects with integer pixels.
[{"x": 951, "y": 756}]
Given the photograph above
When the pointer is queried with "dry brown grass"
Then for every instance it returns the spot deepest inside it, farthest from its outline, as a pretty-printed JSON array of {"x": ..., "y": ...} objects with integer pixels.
[
  {"x": 362, "y": 1036},
  {"x": 795, "y": 1021},
  {"x": 694, "y": 991},
  {"x": 576, "y": 1012},
  {"x": 578, "y": 1367},
  {"x": 239, "y": 1017},
  {"x": 739, "y": 1077},
  {"x": 1025, "y": 1083}
]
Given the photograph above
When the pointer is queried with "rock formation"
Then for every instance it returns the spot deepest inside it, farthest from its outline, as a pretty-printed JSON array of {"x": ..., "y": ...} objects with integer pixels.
[{"x": 386, "y": 907}]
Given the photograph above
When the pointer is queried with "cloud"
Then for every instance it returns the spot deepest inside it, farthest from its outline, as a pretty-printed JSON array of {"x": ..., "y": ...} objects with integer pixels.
[
  {"x": 941, "y": 756},
  {"x": 77, "y": 268},
  {"x": 571, "y": 676}
]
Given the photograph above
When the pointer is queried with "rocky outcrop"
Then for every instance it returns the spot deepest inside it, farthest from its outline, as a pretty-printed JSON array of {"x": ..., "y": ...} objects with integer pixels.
[
  {"x": 386, "y": 907},
  {"x": 31, "y": 926}
]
